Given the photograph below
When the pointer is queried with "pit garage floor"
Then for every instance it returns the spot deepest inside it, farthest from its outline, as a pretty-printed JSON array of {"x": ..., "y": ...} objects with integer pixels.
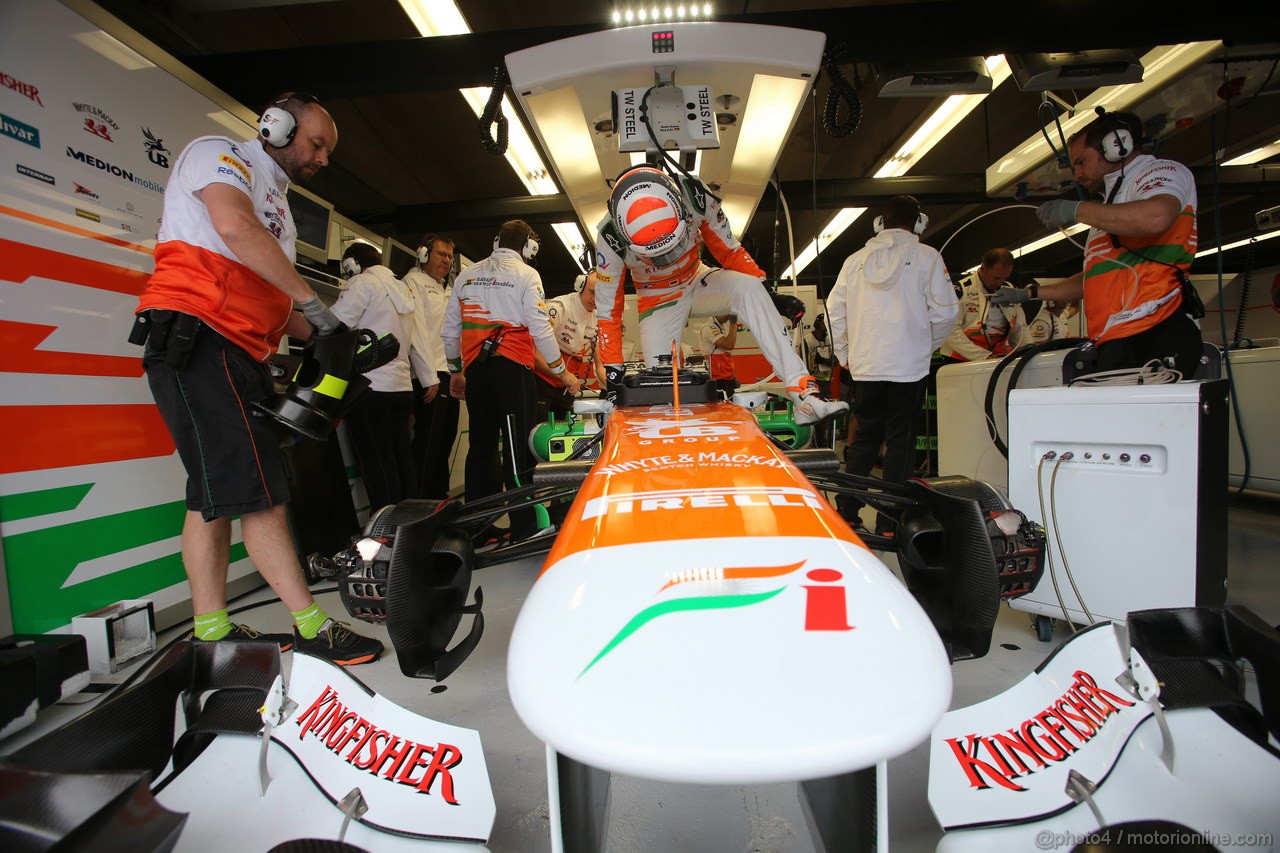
[{"x": 651, "y": 816}]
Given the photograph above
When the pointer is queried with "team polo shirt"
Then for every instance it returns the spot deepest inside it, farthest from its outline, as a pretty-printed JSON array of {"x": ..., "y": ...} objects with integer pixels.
[
  {"x": 195, "y": 272},
  {"x": 1129, "y": 290},
  {"x": 575, "y": 330},
  {"x": 500, "y": 298}
]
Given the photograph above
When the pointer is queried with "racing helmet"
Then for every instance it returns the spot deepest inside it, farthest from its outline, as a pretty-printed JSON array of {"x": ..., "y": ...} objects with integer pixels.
[{"x": 650, "y": 213}]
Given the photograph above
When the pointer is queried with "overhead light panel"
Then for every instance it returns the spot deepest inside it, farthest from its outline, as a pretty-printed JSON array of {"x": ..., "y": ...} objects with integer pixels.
[
  {"x": 442, "y": 18},
  {"x": 1257, "y": 155},
  {"x": 935, "y": 128},
  {"x": 755, "y": 78},
  {"x": 1162, "y": 66},
  {"x": 771, "y": 110},
  {"x": 1040, "y": 72},
  {"x": 964, "y": 76}
]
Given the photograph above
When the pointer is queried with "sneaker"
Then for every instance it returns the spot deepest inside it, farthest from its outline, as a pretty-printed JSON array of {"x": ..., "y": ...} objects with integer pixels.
[
  {"x": 245, "y": 634},
  {"x": 339, "y": 644},
  {"x": 810, "y": 408}
]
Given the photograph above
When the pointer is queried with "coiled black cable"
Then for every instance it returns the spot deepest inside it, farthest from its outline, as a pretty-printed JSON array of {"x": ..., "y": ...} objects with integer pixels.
[
  {"x": 840, "y": 91},
  {"x": 1246, "y": 281},
  {"x": 492, "y": 114}
]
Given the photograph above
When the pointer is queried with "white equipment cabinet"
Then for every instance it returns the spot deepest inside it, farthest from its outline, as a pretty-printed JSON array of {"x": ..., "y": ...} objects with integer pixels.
[
  {"x": 1138, "y": 501},
  {"x": 964, "y": 440}
]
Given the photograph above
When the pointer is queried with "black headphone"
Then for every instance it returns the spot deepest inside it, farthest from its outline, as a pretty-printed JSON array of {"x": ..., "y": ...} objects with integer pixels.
[
  {"x": 277, "y": 125},
  {"x": 1115, "y": 138}
]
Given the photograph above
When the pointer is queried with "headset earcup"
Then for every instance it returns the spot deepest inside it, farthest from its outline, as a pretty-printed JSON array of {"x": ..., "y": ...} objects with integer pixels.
[
  {"x": 878, "y": 224},
  {"x": 530, "y": 249},
  {"x": 1117, "y": 144},
  {"x": 351, "y": 266},
  {"x": 277, "y": 126},
  {"x": 424, "y": 252},
  {"x": 922, "y": 222}
]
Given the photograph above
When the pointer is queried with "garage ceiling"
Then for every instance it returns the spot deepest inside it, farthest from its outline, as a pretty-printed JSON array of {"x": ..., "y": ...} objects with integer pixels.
[{"x": 410, "y": 158}]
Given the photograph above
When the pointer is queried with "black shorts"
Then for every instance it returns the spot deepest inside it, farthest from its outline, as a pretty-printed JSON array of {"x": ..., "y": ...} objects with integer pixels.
[{"x": 231, "y": 451}]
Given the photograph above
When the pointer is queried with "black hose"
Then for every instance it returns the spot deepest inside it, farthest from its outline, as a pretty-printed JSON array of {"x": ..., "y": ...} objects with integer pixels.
[
  {"x": 492, "y": 114},
  {"x": 840, "y": 92},
  {"x": 1019, "y": 358}
]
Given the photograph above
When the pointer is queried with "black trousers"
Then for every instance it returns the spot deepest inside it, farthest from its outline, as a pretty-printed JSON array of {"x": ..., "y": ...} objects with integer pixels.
[
  {"x": 435, "y": 427},
  {"x": 1176, "y": 337},
  {"x": 888, "y": 413},
  {"x": 379, "y": 430},
  {"x": 552, "y": 400},
  {"x": 496, "y": 390}
]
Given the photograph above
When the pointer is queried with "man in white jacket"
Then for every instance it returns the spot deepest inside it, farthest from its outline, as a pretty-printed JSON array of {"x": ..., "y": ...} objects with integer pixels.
[
  {"x": 435, "y": 420},
  {"x": 892, "y": 305},
  {"x": 378, "y": 424}
]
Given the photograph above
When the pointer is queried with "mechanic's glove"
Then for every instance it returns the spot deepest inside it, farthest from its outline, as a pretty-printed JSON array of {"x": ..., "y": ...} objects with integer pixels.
[
  {"x": 613, "y": 374},
  {"x": 1009, "y": 296},
  {"x": 789, "y": 307},
  {"x": 319, "y": 315},
  {"x": 1058, "y": 213}
]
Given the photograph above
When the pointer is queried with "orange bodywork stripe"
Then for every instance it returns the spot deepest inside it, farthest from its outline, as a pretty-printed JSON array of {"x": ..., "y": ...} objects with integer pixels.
[
  {"x": 40, "y": 438},
  {"x": 19, "y": 353},
  {"x": 72, "y": 229}
]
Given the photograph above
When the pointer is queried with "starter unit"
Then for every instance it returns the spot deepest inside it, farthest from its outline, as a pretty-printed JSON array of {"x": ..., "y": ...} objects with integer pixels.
[{"x": 1130, "y": 484}]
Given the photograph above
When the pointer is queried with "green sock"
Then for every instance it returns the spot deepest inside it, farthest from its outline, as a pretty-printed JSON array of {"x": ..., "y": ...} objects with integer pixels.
[
  {"x": 309, "y": 621},
  {"x": 213, "y": 626}
]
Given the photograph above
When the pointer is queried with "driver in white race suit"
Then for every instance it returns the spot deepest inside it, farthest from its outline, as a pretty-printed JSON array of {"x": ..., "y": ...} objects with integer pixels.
[{"x": 655, "y": 231}]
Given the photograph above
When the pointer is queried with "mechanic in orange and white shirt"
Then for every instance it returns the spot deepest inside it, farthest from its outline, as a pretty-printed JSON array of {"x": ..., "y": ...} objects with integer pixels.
[
  {"x": 1142, "y": 241},
  {"x": 573, "y": 319},
  {"x": 223, "y": 293},
  {"x": 655, "y": 231},
  {"x": 494, "y": 321}
]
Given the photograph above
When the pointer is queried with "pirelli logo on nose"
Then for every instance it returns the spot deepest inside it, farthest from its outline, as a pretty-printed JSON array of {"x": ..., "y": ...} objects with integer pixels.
[{"x": 775, "y": 497}]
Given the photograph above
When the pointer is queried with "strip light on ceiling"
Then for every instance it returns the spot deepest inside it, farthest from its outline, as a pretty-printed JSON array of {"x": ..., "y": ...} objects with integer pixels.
[
  {"x": 442, "y": 18},
  {"x": 1161, "y": 67},
  {"x": 940, "y": 123},
  {"x": 1257, "y": 155}
]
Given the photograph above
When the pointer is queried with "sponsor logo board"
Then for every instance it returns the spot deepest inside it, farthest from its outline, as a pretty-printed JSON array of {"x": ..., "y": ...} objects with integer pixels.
[{"x": 418, "y": 776}]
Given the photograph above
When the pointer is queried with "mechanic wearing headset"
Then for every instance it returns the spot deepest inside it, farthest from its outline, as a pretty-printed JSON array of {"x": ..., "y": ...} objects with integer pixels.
[
  {"x": 655, "y": 230},
  {"x": 223, "y": 292},
  {"x": 494, "y": 321},
  {"x": 1138, "y": 301},
  {"x": 435, "y": 420},
  {"x": 378, "y": 423}
]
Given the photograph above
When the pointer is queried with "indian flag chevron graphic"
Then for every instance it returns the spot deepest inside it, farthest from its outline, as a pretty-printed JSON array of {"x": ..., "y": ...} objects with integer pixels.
[{"x": 712, "y": 600}]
